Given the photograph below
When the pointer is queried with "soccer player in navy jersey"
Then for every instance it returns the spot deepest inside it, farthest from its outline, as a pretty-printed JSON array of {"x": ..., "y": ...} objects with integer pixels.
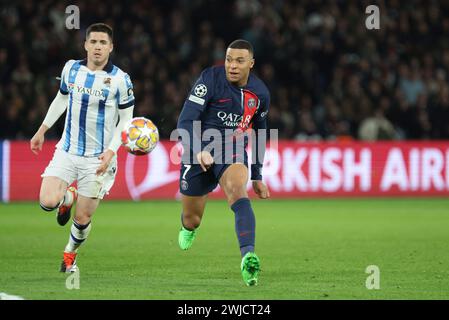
[{"x": 226, "y": 102}]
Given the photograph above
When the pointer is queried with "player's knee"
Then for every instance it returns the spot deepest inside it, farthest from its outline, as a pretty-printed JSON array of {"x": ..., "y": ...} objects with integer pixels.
[{"x": 49, "y": 202}]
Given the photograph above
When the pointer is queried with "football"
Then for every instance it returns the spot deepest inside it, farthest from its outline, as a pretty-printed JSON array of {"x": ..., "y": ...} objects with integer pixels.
[{"x": 140, "y": 136}]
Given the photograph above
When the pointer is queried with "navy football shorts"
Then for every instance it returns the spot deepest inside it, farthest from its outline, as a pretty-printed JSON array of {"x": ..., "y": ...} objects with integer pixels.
[{"x": 193, "y": 181}]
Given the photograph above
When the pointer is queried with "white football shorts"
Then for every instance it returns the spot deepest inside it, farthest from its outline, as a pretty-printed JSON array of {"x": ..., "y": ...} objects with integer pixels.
[{"x": 70, "y": 168}]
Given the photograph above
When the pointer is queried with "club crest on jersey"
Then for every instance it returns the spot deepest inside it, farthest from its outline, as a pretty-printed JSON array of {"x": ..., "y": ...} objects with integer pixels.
[
  {"x": 200, "y": 90},
  {"x": 107, "y": 82},
  {"x": 251, "y": 103}
]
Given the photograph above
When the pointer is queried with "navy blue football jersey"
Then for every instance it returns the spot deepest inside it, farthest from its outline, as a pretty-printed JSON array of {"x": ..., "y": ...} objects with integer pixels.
[{"x": 222, "y": 104}]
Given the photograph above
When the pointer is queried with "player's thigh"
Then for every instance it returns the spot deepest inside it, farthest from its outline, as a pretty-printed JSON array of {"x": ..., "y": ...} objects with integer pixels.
[
  {"x": 193, "y": 205},
  {"x": 91, "y": 185},
  {"x": 233, "y": 182},
  {"x": 85, "y": 208},
  {"x": 52, "y": 191},
  {"x": 60, "y": 172}
]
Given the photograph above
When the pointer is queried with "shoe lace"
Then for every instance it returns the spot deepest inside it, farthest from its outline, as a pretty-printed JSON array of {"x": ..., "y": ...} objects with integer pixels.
[
  {"x": 190, "y": 235},
  {"x": 252, "y": 266}
]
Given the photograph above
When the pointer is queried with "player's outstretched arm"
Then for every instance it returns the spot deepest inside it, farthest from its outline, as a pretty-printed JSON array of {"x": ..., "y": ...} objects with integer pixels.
[
  {"x": 56, "y": 109},
  {"x": 106, "y": 157}
]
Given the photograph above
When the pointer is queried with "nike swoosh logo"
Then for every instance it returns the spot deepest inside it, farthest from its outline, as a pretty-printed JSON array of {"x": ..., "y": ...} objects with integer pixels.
[
  {"x": 244, "y": 233},
  {"x": 223, "y": 100}
]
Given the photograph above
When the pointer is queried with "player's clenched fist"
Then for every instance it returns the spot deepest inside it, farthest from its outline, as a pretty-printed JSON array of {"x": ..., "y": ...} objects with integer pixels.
[{"x": 205, "y": 160}]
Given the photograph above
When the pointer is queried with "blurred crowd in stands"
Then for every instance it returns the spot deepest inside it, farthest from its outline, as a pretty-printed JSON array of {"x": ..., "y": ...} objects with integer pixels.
[{"x": 330, "y": 77}]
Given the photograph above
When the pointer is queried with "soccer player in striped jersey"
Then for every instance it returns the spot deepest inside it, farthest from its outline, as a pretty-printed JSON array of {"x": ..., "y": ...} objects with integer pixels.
[{"x": 96, "y": 94}]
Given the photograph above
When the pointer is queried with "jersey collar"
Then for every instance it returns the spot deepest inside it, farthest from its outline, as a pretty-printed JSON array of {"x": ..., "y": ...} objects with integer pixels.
[{"x": 108, "y": 67}]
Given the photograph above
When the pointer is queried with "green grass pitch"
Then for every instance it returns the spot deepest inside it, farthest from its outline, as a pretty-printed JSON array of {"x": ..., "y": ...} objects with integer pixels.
[{"x": 309, "y": 249}]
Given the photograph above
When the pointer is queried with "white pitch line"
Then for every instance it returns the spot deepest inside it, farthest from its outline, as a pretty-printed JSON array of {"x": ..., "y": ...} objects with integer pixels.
[{"x": 5, "y": 296}]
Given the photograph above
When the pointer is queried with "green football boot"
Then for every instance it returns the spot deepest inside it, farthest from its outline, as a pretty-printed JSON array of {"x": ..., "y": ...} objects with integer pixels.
[
  {"x": 186, "y": 238},
  {"x": 250, "y": 268}
]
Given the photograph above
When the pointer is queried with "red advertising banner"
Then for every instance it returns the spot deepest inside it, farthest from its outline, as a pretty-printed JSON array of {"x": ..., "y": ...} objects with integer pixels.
[{"x": 291, "y": 170}]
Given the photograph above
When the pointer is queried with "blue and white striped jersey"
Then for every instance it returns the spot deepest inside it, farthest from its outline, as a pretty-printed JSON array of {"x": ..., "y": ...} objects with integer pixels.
[{"x": 92, "y": 111}]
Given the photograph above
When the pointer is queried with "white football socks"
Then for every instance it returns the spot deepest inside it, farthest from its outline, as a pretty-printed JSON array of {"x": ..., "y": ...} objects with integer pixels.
[
  {"x": 68, "y": 198},
  {"x": 78, "y": 233}
]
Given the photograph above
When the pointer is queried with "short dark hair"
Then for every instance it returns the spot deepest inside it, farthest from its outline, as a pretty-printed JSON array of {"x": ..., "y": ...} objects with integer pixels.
[
  {"x": 100, "y": 27},
  {"x": 242, "y": 44}
]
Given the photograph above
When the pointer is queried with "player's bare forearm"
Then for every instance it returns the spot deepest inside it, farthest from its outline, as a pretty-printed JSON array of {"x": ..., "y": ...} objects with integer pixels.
[
  {"x": 105, "y": 158},
  {"x": 261, "y": 189},
  {"x": 42, "y": 129}
]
